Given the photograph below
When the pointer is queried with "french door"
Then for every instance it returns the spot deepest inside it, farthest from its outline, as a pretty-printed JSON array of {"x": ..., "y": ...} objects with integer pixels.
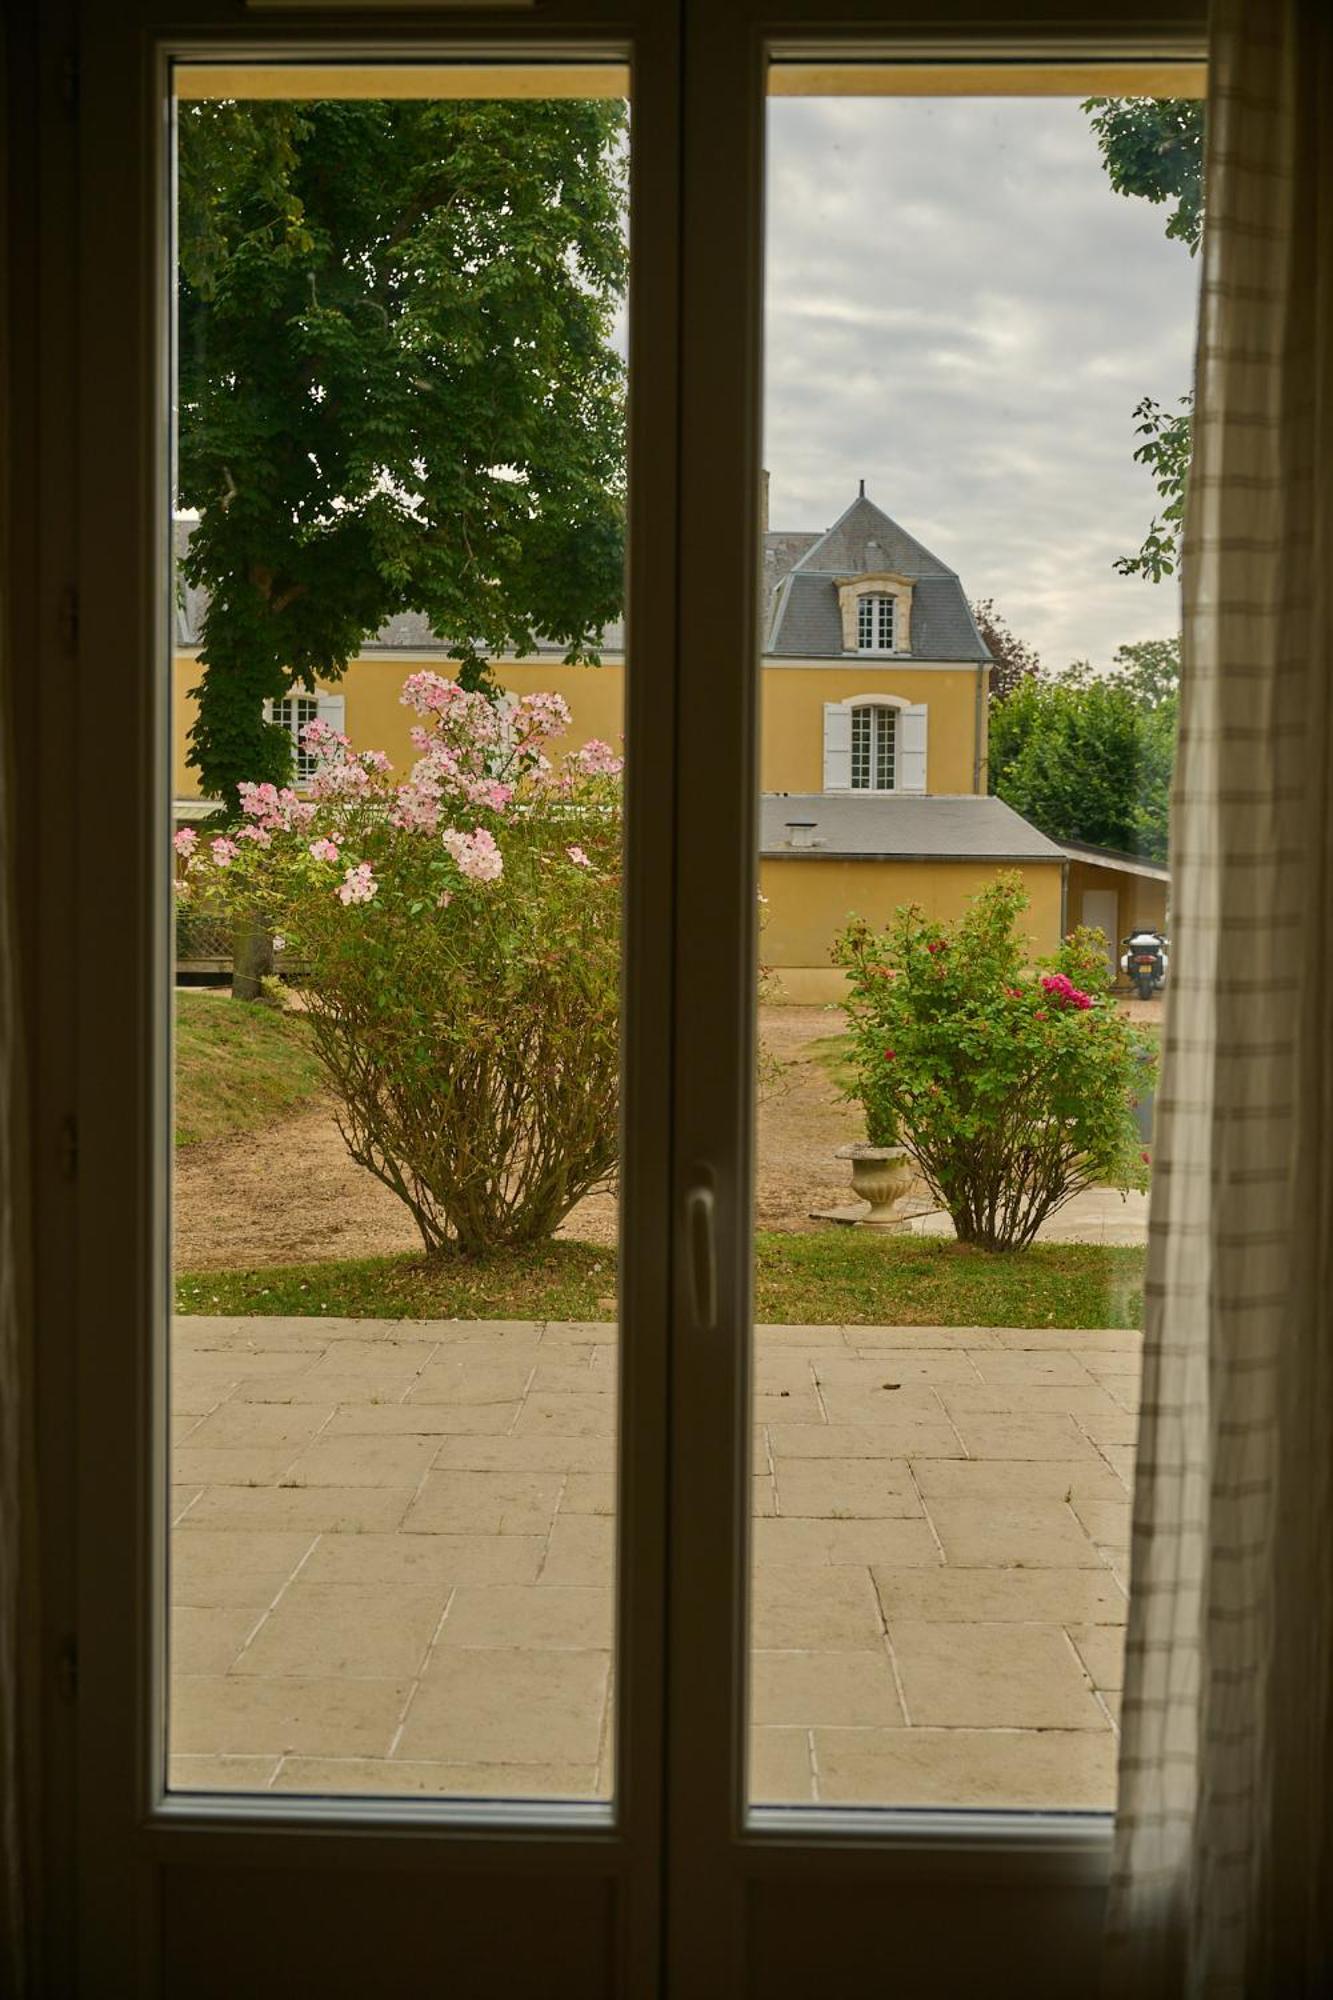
[{"x": 660, "y": 1877}]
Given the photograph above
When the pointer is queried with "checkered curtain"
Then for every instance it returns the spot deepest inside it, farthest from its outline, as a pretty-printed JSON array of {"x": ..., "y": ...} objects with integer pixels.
[{"x": 1223, "y": 1872}]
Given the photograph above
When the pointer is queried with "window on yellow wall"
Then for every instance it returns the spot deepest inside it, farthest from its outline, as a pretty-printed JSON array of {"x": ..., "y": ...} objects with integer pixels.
[
  {"x": 875, "y": 624},
  {"x": 294, "y": 713},
  {"x": 874, "y": 749}
]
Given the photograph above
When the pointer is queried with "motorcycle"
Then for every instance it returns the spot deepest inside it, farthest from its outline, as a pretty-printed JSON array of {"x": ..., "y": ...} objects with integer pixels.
[{"x": 1144, "y": 961}]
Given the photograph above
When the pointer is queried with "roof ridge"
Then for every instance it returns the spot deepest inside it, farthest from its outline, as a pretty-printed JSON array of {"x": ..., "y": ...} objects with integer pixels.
[{"x": 863, "y": 501}]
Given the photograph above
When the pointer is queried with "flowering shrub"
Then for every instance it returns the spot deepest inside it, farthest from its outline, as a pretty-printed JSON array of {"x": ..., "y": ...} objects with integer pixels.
[
  {"x": 1011, "y": 1092},
  {"x": 461, "y": 927}
]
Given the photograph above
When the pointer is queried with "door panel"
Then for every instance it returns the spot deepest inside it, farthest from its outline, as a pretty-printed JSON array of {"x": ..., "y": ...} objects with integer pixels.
[
  {"x": 325, "y": 1932},
  {"x": 392, "y": 1557},
  {"x": 786, "y": 1896},
  {"x": 171, "y": 1885},
  {"x": 186, "y": 1894}
]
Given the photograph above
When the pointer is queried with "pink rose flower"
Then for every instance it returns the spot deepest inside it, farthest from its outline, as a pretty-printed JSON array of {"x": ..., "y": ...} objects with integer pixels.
[{"x": 358, "y": 885}]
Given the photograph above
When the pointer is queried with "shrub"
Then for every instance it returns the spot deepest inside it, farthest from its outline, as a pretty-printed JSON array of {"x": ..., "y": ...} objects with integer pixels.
[
  {"x": 1011, "y": 1090},
  {"x": 462, "y": 934}
]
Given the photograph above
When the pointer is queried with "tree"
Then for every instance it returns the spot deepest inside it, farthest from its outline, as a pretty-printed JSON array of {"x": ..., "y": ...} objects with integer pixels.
[
  {"x": 1089, "y": 756},
  {"x": 1010, "y": 1093},
  {"x": 460, "y": 926},
  {"x": 1014, "y": 660},
  {"x": 397, "y": 391},
  {"x": 1153, "y": 147},
  {"x": 1150, "y": 669}
]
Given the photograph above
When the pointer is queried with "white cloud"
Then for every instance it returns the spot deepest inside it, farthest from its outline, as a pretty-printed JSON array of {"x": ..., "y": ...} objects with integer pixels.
[{"x": 962, "y": 312}]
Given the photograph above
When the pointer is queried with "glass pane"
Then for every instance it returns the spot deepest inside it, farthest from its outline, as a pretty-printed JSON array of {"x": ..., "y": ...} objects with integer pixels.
[
  {"x": 965, "y": 919},
  {"x": 396, "y": 691}
]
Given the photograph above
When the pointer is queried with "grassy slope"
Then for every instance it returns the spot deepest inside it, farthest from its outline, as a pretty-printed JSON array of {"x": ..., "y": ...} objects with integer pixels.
[
  {"x": 237, "y": 1066},
  {"x": 837, "y": 1276}
]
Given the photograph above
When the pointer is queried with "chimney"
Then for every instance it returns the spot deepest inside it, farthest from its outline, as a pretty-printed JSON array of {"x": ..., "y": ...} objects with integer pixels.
[
  {"x": 862, "y": 494},
  {"x": 763, "y": 502}
]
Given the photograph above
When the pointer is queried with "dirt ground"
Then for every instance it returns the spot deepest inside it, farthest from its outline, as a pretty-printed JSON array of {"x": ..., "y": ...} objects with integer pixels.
[{"x": 294, "y": 1195}]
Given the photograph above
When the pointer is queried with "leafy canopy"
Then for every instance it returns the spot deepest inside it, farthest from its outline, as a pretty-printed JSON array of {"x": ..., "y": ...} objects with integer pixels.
[
  {"x": 397, "y": 390},
  {"x": 1088, "y": 756},
  {"x": 1153, "y": 147},
  {"x": 1013, "y": 660}
]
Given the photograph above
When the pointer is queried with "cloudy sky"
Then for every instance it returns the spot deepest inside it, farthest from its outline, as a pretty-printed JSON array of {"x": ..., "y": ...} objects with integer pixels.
[{"x": 963, "y": 313}]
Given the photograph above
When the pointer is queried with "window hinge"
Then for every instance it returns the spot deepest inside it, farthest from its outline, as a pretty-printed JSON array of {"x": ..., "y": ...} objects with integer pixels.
[
  {"x": 67, "y": 1668},
  {"x": 67, "y": 1151},
  {"x": 69, "y": 618}
]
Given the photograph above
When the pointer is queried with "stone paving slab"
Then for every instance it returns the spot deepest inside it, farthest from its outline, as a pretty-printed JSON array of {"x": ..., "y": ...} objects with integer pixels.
[{"x": 393, "y": 1546}]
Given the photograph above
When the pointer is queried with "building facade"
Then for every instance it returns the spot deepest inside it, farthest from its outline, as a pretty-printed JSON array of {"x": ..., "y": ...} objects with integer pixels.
[{"x": 872, "y": 758}]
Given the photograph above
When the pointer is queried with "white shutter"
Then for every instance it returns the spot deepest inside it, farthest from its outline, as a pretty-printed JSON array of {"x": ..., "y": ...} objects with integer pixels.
[
  {"x": 837, "y": 747},
  {"x": 912, "y": 747},
  {"x": 332, "y": 709}
]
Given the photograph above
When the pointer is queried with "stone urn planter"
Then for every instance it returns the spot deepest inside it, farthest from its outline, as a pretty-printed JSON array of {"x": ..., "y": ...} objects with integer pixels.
[{"x": 882, "y": 1176}]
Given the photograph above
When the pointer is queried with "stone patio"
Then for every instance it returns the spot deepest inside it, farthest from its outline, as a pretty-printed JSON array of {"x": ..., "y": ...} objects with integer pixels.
[{"x": 392, "y": 1558}]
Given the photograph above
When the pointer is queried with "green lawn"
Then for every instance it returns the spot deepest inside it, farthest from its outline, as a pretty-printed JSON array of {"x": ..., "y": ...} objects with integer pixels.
[
  {"x": 238, "y": 1066},
  {"x": 836, "y": 1276},
  {"x": 834, "y": 1054}
]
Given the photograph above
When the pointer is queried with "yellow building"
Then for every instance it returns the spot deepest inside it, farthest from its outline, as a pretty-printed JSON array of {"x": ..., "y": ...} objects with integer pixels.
[{"x": 873, "y": 752}]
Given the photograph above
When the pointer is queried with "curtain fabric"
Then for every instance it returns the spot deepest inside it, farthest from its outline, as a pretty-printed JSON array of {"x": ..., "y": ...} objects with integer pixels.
[{"x": 1221, "y": 1881}]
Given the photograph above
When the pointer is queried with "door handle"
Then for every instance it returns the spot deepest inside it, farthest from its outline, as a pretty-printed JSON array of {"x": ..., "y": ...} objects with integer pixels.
[{"x": 701, "y": 1242}]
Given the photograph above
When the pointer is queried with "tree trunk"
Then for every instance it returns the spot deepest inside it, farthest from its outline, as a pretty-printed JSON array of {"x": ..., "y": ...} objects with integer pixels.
[{"x": 251, "y": 960}]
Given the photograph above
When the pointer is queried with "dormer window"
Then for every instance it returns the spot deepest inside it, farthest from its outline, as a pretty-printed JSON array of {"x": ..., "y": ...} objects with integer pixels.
[
  {"x": 875, "y": 622},
  {"x": 876, "y": 613},
  {"x": 874, "y": 749}
]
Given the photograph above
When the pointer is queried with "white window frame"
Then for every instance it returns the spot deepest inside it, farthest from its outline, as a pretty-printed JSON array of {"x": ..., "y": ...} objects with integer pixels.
[
  {"x": 330, "y": 708},
  {"x": 883, "y": 607},
  {"x": 292, "y": 720},
  {"x": 878, "y": 720},
  {"x": 910, "y": 731}
]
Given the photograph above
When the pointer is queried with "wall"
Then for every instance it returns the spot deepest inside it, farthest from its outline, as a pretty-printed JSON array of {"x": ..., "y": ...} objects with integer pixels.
[
  {"x": 792, "y": 754},
  {"x": 792, "y": 724},
  {"x": 809, "y": 902},
  {"x": 376, "y": 720},
  {"x": 1141, "y": 901}
]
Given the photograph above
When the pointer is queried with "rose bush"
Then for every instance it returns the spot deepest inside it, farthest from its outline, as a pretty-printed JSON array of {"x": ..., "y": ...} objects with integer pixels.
[
  {"x": 461, "y": 929},
  {"x": 1012, "y": 1091}
]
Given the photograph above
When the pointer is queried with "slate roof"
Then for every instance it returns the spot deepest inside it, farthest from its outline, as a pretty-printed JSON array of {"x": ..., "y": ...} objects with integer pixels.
[
  {"x": 806, "y": 621},
  {"x": 899, "y": 826},
  {"x": 408, "y": 633},
  {"x": 799, "y": 600}
]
